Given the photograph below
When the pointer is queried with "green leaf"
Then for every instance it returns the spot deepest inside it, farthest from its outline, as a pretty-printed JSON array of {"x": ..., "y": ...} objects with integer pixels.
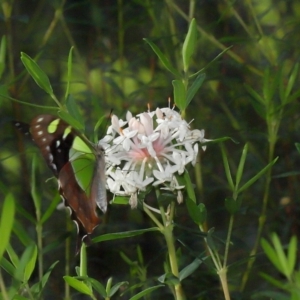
[
  {"x": 282, "y": 259},
  {"x": 71, "y": 120},
  {"x": 122, "y": 235},
  {"x": 116, "y": 287},
  {"x": 98, "y": 286},
  {"x": 98, "y": 124},
  {"x": 188, "y": 47},
  {"x": 291, "y": 81},
  {"x": 297, "y": 147},
  {"x": 168, "y": 278},
  {"x": 39, "y": 286},
  {"x": 292, "y": 254},
  {"x": 211, "y": 62},
  {"x": 193, "y": 210},
  {"x": 35, "y": 195},
  {"x": 38, "y": 75},
  {"x": 78, "y": 285},
  {"x": 7, "y": 266},
  {"x": 272, "y": 280},
  {"x": 194, "y": 88},
  {"x": 227, "y": 167},
  {"x": 70, "y": 65},
  {"x": 179, "y": 94},
  {"x": 30, "y": 264},
  {"x": 257, "y": 176},
  {"x": 271, "y": 253},
  {"x": 2, "y": 55},
  {"x": 189, "y": 186},
  {"x": 12, "y": 255},
  {"x": 122, "y": 200},
  {"x": 74, "y": 111},
  {"x": 25, "y": 263},
  {"x": 6, "y": 222},
  {"x": 51, "y": 208},
  {"x": 254, "y": 94},
  {"x": 146, "y": 292},
  {"x": 240, "y": 169},
  {"x": 189, "y": 269},
  {"x": 162, "y": 58}
]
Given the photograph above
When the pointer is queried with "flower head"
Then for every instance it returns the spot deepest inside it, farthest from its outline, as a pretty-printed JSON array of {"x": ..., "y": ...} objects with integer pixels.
[{"x": 151, "y": 148}]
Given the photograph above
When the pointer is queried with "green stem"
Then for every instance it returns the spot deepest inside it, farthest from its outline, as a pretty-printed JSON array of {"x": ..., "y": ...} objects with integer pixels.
[
  {"x": 168, "y": 234},
  {"x": 152, "y": 217},
  {"x": 227, "y": 245},
  {"x": 83, "y": 261},
  {"x": 263, "y": 215}
]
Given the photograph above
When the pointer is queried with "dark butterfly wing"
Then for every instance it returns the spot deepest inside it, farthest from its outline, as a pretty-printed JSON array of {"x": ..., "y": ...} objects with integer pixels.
[{"x": 54, "y": 137}]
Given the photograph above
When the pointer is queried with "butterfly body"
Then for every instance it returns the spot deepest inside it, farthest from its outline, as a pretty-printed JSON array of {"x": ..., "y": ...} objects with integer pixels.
[{"x": 55, "y": 138}]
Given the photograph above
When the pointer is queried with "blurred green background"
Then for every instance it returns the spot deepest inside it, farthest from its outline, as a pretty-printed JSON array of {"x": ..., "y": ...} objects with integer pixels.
[{"x": 113, "y": 68}]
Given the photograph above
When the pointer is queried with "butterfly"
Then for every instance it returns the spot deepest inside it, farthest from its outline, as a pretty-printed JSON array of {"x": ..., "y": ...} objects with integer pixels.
[{"x": 54, "y": 138}]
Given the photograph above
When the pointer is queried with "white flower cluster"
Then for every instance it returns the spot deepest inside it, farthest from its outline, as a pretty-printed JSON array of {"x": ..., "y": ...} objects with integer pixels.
[{"x": 142, "y": 154}]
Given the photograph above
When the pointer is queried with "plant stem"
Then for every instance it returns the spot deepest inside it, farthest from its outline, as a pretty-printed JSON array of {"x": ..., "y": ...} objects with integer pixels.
[
  {"x": 223, "y": 277},
  {"x": 83, "y": 260},
  {"x": 168, "y": 234}
]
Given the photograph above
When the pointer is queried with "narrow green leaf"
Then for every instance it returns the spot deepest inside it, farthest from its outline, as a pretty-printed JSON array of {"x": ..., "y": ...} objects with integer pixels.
[
  {"x": 193, "y": 210},
  {"x": 78, "y": 285},
  {"x": 227, "y": 167},
  {"x": 98, "y": 286},
  {"x": 254, "y": 94},
  {"x": 257, "y": 176},
  {"x": 38, "y": 75},
  {"x": 116, "y": 287},
  {"x": 266, "y": 86},
  {"x": 25, "y": 262},
  {"x": 70, "y": 65},
  {"x": 7, "y": 266},
  {"x": 162, "y": 58},
  {"x": 122, "y": 235},
  {"x": 71, "y": 120},
  {"x": 240, "y": 169},
  {"x": 12, "y": 255},
  {"x": 35, "y": 195},
  {"x": 291, "y": 81},
  {"x": 146, "y": 292},
  {"x": 179, "y": 94},
  {"x": 211, "y": 62},
  {"x": 194, "y": 88},
  {"x": 51, "y": 208},
  {"x": 282, "y": 259},
  {"x": 188, "y": 47},
  {"x": 292, "y": 254},
  {"x": 6, "y": 222},
  {"x": 189, "y": 186},
  {"x": 2, "y": 55},
  {"x": 21, "y": 233},
  {"x": 30, "y": 264},
  {"x": 271, "y": 254},
  {"x": 189, "y": 269},
  {"x": 297, "y": 147},
  {"x": 74, "y": 111},
  {"x": 39, "y": 286}
]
